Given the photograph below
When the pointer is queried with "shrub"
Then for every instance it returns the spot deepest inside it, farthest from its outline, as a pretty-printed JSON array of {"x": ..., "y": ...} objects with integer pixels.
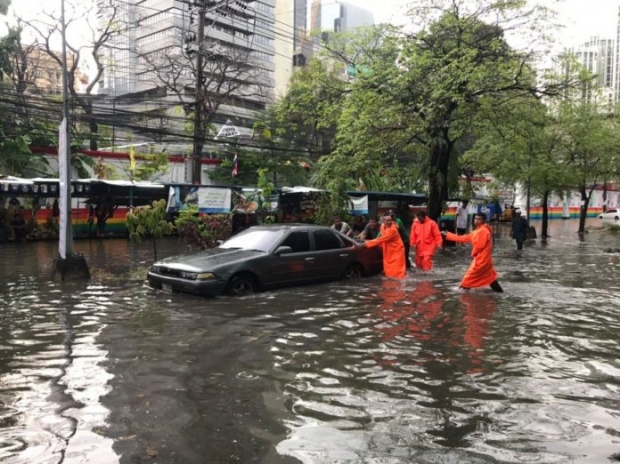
[
  {"x": 149, "y": 221},
  {"x": 203, "y": 230}
]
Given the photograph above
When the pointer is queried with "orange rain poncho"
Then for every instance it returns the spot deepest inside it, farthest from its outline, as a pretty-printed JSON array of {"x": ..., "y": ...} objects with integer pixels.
[
  {"x": 425, "y": 238},
  {"x": 481, "y": 272},
  {"x": 393, "y": 251}
]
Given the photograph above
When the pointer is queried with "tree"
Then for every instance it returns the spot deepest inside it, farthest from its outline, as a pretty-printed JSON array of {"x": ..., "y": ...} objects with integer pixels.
[
  {"x": 590, "y": 149},
  {"x": 423, "y": 92},
  {"x": 49, "y": 29},
  {"x": 306, "y": 118},
  {"x": 229, "y": 74},
  {"x": 16, "y": 159},
  {"x": 520, "y": 145}
]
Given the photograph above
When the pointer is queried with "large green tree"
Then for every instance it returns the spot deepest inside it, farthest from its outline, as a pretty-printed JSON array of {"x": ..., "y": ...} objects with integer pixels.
[
  {"x": 520, "y": 145},
  {"x": 590, "y": 149},
  {"x": 415, "y": 98}
]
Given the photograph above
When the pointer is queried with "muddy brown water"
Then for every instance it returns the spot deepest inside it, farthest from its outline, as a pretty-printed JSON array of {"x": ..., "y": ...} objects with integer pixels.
[{"x": 372, "y": 371}]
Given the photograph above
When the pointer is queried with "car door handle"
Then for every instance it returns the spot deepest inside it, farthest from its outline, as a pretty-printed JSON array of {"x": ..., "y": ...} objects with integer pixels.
[
  {"x": 344, "y": 255},
  {"x": 310, "y": 259}
]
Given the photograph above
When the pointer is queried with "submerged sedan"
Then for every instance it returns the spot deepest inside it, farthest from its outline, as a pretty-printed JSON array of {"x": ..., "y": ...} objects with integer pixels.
[{"x": 266, "y": 257}]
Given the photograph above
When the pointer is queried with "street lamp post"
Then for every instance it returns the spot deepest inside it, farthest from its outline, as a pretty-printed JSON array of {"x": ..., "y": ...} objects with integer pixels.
[{"x": 69, "y": 265}]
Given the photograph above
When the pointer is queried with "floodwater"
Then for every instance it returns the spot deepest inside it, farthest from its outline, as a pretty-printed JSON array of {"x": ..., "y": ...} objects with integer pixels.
[{"x": 373, "y": 371}]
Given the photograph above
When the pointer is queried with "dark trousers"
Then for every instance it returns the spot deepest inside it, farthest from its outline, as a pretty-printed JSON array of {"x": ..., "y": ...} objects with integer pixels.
[
  {"x": 520, "y": 242},
  {"x": 496, "y": 287},
  {"x": 407, "y": 260}
]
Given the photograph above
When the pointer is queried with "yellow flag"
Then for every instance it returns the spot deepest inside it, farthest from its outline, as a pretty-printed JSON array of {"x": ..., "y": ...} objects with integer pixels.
[{"x": 132, "y": 159}]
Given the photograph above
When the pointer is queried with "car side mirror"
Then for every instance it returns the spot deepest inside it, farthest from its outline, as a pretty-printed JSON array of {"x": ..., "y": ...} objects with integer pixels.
[{"x": 282, "y": 250}]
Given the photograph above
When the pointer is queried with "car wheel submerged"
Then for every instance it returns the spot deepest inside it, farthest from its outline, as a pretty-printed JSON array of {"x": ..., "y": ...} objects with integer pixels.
[
  {"x": 241, "y": 285},
  {"x": 353, "y": 271}
]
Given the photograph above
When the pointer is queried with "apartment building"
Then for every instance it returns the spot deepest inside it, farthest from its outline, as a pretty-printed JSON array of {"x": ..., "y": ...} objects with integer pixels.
[
  {"x": 151, "y": 57},
  {"x": 598, "y": 56},
  {"x": 43, "y": 74},
  {"x": 292, "y": 49},
  {"x": 338, "y": 16}
]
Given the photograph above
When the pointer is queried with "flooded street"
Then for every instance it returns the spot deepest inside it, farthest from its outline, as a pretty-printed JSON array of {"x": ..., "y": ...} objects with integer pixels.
[{"x": 371, "y": 371}]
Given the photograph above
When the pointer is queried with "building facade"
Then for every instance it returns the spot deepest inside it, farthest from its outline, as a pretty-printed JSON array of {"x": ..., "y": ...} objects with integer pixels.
[
  {"x": 598, "y": 57},
  {"x": 291, "y": 41},
  {"x": 338, "y": 16},
  {"x": 154, "y": 48}
]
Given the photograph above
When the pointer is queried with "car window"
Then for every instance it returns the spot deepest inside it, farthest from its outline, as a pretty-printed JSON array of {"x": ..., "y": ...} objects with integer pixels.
[
  {"x": 255, "y": 239},
  {"x": 326, "y": 240},
  {"x": 299, "y": 241},
  {"x": 611, "y": 211}
]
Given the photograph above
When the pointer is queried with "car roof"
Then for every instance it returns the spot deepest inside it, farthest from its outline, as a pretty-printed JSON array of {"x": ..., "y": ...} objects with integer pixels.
[{"x": 288, "y": 226}]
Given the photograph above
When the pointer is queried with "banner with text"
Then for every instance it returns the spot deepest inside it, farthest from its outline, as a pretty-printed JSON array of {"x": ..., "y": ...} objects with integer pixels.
[
  {"x": 358, "y": 205},
  {"x": 214, "y": 200}
]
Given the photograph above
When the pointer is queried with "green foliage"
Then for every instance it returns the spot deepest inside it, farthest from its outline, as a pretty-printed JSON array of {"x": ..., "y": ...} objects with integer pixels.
[
  {"x": 279, "y": 168},
  {"x": 4, "y": 6},
  {"x": 16, "y": 159},
  {"x": 263, "y": 182},
  {"x": 306, "y": 118},
  {"x": 149, "y": 221},
  {"x": 418, "y": 98},
  {"x": 151, "y": 165},
  {"x": 9, "y": 46},
  {"x": 203, "y": 230},
  {"x": 328, "y": 205}
]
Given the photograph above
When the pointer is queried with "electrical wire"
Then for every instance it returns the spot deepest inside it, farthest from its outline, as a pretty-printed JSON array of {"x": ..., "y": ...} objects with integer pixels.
[{"x": 115, "y": 114}]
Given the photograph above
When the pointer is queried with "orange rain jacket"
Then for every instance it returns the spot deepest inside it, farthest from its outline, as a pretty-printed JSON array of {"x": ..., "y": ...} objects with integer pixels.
[
  {"x": 393, "y": 251},
  {"x": 481, "y": 272},
  {"x": 425, "y": 237}
]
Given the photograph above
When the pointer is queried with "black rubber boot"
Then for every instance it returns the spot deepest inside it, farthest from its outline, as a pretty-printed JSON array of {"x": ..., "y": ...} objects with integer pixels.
[{"x": 496, "y": 287}]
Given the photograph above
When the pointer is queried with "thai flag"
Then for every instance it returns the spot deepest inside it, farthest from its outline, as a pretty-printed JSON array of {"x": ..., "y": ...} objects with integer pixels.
[{"x": 235, "y": 170}]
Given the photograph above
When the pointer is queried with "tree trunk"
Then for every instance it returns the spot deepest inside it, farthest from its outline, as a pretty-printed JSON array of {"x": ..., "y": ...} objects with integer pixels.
[
  {"x": 93, "y": 126},
  {"x": 438, "y": 178},
  {"x": 583, "y": 210},
  {"x": 94, "y": 129},
  {"x": 545, "y": 215},
  {"x": 154, "y": 246}
]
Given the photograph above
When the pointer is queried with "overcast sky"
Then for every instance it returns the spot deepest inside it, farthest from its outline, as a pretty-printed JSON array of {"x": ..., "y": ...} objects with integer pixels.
[{"x": 583, "y": 18}]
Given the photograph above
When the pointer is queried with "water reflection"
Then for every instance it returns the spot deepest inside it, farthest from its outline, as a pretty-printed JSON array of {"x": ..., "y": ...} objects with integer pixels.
[{"x": 372, "y": 371}]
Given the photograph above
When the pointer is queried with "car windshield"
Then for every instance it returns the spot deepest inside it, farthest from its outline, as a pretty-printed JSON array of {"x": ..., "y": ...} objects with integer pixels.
[{"x": 255, "y": 239}]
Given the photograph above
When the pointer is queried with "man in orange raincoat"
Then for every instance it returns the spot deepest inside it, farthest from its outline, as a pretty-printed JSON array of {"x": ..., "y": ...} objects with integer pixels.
[
  {"x": 425, "y": 239},
  {"x": 481, "y": 272},
  {"x": 393, "y": 249}
]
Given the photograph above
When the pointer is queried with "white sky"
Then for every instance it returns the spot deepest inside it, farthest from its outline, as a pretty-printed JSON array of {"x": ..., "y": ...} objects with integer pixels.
[{"x": 582, "y": 18}]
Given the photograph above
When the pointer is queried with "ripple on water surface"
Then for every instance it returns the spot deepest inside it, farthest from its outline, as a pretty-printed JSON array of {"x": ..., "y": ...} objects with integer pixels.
[
  {"x": 416, "y": 371},
  {"x": 371, "y": 371}
]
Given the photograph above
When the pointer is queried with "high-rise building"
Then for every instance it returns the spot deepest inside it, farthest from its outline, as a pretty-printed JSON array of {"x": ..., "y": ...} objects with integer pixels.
[
  {"x": 338, "y": 16},
  {"x": 291, "y": 45},
  {"x": 153, "y": 50},
  {"x": 616, "y": 79},
  {"x": 598, "y": 56}
]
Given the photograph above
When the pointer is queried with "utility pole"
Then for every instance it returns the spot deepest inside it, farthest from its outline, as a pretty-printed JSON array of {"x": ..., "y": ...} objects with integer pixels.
[
  {"x": 68, "y": 264},
  {"x": 198, "y": 134}
]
